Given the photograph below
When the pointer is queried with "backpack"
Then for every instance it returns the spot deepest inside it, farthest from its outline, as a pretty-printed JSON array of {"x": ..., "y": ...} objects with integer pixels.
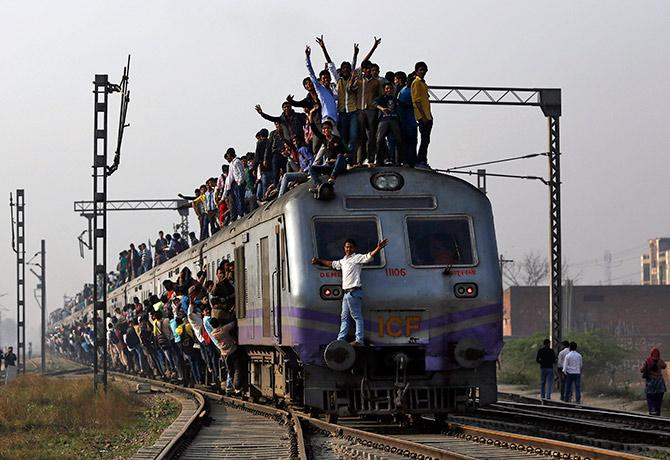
[
  {"x": 146, "y": 338},
  {"x": 162, "y": 341},
  {"x": 186, "y": 342}
]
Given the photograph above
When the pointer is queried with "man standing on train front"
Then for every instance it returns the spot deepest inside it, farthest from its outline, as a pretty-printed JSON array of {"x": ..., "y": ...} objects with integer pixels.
[{"x": 352, "y": 302}]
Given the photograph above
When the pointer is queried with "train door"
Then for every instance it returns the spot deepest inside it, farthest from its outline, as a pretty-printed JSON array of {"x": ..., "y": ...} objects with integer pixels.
[
  {"x": 277, "y": 284},
  {"x": 266, "y": 293},
  {"x": 270, "y": 281}
]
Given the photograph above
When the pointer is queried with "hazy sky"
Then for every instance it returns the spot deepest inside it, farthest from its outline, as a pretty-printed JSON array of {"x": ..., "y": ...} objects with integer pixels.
[{"x": 198, "y": 68}]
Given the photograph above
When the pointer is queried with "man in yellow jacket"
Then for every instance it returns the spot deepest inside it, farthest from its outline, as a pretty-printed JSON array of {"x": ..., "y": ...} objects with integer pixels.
[{"x": 422, "y": 112}]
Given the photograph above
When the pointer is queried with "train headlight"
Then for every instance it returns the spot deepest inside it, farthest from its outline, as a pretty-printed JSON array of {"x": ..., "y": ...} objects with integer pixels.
[
  {"x": 465, "y": 290},
  {"x": 387, "y": 181},
  {"x": 331, "y": 292}
]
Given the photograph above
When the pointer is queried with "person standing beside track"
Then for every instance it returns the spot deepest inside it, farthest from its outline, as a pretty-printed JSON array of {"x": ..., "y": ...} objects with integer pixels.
[
  {"x": 546, "y": 359},
  {"x": 652, "y": 372},
  {"x": 10, "y": 365},
  {"x": 561, "y": 360},
  {"x": 352, "y": 301},
  {"x": 572, "y": 368}
]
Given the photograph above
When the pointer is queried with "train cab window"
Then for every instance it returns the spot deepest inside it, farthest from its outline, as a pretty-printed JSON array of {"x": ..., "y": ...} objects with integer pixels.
[
  {"x": 440, "y": 241},
  {"x": 331, "y": 233}
]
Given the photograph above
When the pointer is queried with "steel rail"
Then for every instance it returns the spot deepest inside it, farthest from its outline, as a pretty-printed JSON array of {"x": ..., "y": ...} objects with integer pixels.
[
  {"x": 300, "y": 437},
  {"x": 404, "y": 446},
  {"x": 592, "y": 413},
  {"x": 169, "y": 450},
  {"x": 593, "y": 453},
  {"x": 386, "y": 443}
]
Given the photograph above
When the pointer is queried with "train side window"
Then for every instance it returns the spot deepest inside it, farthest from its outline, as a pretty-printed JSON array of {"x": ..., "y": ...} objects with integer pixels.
[
  {"x": 240, "y": 283},
  {"x": 331, "y": 233},
  {"x": 440, "y": 241}
]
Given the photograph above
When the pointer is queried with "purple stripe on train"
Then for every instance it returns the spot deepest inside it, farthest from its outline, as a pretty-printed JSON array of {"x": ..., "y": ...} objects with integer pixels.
[
  {"x": 334, "y": 318},
  {"x": 309, "y": 343}
]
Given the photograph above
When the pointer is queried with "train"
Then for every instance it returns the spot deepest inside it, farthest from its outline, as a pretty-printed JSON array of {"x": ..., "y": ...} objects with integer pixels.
[{"x": 432, "y": 297}]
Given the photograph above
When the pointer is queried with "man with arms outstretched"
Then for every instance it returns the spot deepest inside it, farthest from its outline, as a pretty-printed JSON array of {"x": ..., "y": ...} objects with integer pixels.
[{"x": 352, "y": 302}]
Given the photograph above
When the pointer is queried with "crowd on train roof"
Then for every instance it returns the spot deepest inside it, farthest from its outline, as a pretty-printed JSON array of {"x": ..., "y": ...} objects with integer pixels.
[{"x": 350, "y": 117}]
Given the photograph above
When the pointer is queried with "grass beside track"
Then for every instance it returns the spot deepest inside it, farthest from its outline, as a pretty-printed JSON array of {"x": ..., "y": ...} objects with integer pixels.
[{"x": 62, "y": 418}]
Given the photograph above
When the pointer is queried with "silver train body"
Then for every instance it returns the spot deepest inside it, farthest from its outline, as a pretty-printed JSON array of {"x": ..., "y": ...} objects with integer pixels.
[{"x": 432, "y": 300}]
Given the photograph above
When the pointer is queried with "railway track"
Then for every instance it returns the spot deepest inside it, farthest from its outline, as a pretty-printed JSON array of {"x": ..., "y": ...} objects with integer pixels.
[
  {"x": 628, "y": 419},
  {"x": 212, "y": 426},
  {"x": 232, "y": 428}
]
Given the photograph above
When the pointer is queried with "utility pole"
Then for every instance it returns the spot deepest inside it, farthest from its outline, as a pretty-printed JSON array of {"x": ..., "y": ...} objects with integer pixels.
[
  {"x": 42, "y": 286},
  {"x": 102, "y": 88},
  {"x": 19, "y": 247},
  {"x": 549, "y": 101},
  {"x": 43, "y": 345},
  {"x": 502, "y": 261}
]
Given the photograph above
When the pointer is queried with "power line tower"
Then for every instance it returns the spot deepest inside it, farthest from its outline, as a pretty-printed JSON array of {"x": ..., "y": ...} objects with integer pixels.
[
  {"x": 19, "y": 247},
  {"x": 102, "y": 88},
  {"x": 607, "y": 259}
]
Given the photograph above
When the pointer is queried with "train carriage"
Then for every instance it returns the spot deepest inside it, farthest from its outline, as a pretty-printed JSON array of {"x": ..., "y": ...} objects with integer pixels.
[{"x": 432, "y": 298}]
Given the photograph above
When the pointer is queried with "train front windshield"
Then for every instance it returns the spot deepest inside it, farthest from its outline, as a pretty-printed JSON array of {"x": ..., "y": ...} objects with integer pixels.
[
  {"x": 332, "y": 232},
  {"x": 440, "y": 241}
]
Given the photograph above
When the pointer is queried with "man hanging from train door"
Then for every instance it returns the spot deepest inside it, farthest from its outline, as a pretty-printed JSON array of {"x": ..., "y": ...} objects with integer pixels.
[{"x": 352, "y": 301}]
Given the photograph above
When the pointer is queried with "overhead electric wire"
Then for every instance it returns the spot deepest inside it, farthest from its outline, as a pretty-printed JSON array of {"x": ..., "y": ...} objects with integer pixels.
[
  {"x": 512, "y": 176},
  {"x": 522, "y": 157}
]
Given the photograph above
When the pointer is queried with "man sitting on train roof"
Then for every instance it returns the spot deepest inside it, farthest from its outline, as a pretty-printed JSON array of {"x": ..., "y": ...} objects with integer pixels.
[
  {"x": 352, "y": 301},
  {"x": 332, "y": 159}
]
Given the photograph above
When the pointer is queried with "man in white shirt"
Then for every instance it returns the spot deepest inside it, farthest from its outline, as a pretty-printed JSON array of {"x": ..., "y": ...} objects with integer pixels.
[
  {"x": 235, "y": 183},
  {"x": 352, "y": 301},
  {"x": 565, "y": 349},
  {"x": 572, "y": 368}
]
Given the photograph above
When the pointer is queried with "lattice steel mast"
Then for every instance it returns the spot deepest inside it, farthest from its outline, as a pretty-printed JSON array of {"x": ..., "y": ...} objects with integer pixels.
[
  {"x": 19, "y": 247},
  {"x": 101, "y": 171}
]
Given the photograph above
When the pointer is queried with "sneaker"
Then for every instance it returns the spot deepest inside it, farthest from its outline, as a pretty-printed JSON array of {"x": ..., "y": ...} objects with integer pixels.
[
  {"x": 423, "y": 166},
  {"x": 365, "y": 163},
  {"x": 356, "y": 344},
  {"x": 388, "y": 163}
]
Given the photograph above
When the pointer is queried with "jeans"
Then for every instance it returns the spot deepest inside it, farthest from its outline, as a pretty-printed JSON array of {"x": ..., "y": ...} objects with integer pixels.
[
  {"x": 577, "y": 380},
  {"x": 333, "y": 170},
  {"x": 654, "y": 403},
  {"x": 204, "y": 227},
  {"x": 140, "y": 358},
  {"x": 409, "y": 140},
  {"x": 387, "y": 126},
  {"x": 347, "y": 123},
  {"x": 546, "y": 382},
  {"x": 212, "y": 215},
  {"x": 238, "y": 199},
  {"x": 266, "y": 180},
  {"x": 291, "y": 177},
  {"x": 368, "y": 125},
  {"x": 278, "y": 166},
  {"x": 425, "y": 127},
  {"x": 352, "y": 307},
  {"x": 561, "y": 383}
]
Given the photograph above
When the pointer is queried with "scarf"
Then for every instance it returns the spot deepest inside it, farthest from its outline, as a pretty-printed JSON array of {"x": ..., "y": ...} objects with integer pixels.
[{"x": 653, "y": 358}]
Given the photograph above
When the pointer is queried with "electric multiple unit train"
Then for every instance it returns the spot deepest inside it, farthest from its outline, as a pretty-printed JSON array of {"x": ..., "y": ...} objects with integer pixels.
[{"x": 432, "y": 298}]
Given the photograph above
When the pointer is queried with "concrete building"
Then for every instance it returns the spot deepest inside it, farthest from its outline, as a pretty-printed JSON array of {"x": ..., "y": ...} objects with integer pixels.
[
  {"x": 654, "y": 265},
  {"x": 637, "y": 316}
]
